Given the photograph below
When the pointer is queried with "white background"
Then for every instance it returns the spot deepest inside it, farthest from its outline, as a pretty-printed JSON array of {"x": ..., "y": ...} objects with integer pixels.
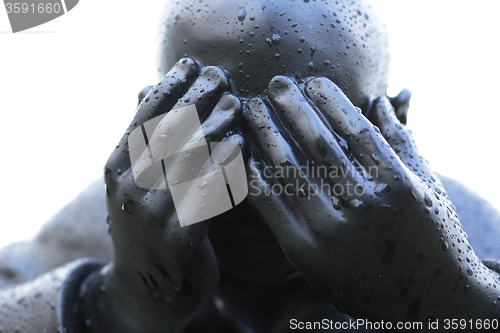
[{"x": 69, "y": 88}]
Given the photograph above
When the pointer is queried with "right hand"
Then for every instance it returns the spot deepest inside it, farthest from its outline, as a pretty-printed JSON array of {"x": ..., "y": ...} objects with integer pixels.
[
  {"x": 164, "y": 271},
  {"x": 368, "y": 233}
]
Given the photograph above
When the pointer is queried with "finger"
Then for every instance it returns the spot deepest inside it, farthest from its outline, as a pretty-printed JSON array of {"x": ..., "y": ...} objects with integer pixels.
[
  {"x": 221, "y": 120},
  {"x": 317, "y": 142},
  {"x": 311, "y": 194},
  {"x": 171, "y": 88},
  {"x": 397, "y": 135},
  {"x": 143, "y": 94},
  {"x": 163, "y": 135},
  {"x": 167, "y": 134},
  {"x": 278, "y": 212},
  {"x": 364, "y": 140},
  {"x": 179, "y": 140},
  {"x": 205, "y": 92},
  {"x": 163, "y": 96},
  {"x": 401, "y": 104},
  {"x": 214, "y": 185},
  {"x": 401, "y": 140},
  {"x": 277, "y": 151}
]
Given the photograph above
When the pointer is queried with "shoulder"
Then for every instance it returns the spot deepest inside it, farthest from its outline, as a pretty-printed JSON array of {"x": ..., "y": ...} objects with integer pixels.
[{"x": 481, "y": 221}]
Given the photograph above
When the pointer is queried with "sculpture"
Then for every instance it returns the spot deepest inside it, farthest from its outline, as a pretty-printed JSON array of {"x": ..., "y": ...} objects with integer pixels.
[{"x": 393, "y": 250}]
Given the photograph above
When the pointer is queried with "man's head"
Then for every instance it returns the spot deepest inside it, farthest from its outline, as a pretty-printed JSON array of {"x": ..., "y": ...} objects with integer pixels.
[{"x": 254, "y": 40}]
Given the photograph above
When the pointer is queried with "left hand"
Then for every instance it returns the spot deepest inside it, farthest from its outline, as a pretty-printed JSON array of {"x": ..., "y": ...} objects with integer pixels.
[{"x": 363, "y": 229}]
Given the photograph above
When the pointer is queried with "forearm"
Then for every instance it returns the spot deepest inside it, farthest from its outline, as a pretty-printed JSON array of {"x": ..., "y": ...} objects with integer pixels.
[{"x": 35, "y": 306}]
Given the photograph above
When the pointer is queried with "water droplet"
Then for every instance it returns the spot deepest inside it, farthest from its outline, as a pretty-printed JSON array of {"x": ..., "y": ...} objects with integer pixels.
[
  {"x": 302, "y": 39},
  {"x": 242, "y": 13},
  {"x": 127, "y": 205},
  {"x": 375, "y": 159},
  {"x": 303, "y": 193},
  {"x": 163, "y": 137},
  {"x": 311, "y": 65},
  {"x": 203, "y": 185},
  {"x": 277, "y": 56},
  {"x": 336, "y": 203},
  {"x": 167, "y": 93},
  {"x": 428, "y": 200},
  {"x": 358, "y": 205},
  {"x": 276, "y": 39},
  {"x": 223, "y": 160},
  {"x": 445, "y": 246},
  {"x": 421, "y": 255},
  {"x": 381, "y": 190},
  {"x": 466, "y": 288},
  {"x": 119, "y": 172},
  {"x": 269, "y": 42},
  {"x": 469, "y": 270}
]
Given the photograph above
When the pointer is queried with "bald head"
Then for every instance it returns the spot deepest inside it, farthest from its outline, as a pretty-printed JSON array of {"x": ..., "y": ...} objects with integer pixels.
[{"x": 254, "y": 40}]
